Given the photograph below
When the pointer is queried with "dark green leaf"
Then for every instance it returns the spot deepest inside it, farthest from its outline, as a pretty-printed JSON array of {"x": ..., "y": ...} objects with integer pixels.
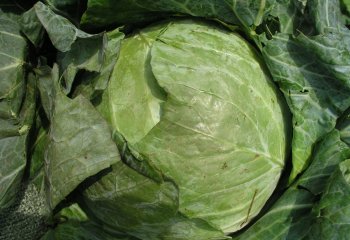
[
  {"x": 94, "y": 83},
  {"x": 326, "y": 15},
  {"x": 80, "y": 143},
  {"x": 344, "y": 127},
  {"x": 31, "y": 27},
  {"x": 17, "y": 106},
  {"x": 61, "y": 31},
  {"x": 333, "y": 218},
  {"x": 12, "y": 62},
  {"x": 85, "y": 53},
  {"x": 75, "y": 230},
  {"x": 312, "y": 73},
  {"x": 244, "y": 13},
  {"x": 36, "y": 171},
  {"x": 291, "y": 217},
  {"x": 13, "y": 147},
  {"x": 78, "y": 50}
]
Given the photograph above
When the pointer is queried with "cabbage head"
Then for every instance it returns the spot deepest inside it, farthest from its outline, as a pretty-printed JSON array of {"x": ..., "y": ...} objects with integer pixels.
[
  {"x": 174, "y": 120},
  {"x": 202, "y": 127}
]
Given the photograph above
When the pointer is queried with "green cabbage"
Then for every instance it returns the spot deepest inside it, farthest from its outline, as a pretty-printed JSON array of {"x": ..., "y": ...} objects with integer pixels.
[
  {"x": 140, "y": 119},
  {"x": 218, "y": 136}
]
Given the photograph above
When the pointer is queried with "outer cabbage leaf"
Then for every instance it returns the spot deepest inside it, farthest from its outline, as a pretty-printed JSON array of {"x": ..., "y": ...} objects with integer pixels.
[
  {"x": 12, "y": 168},
  {"x": 73, "y": 212},
  {"x": 32, "y": 28},
  {"x": 106, "y": 12},
  {"x": 85, "y": 53},
  {"x": 16, "y": 107},
  {"x": 344, "y": 126},
  {"x": 81, "y": 230},
  {"x": 61, "y": 31},
  {"x": 127, "y": 201},
  {"x": 77, "y": 50},
  {"x": 12, "y": 62},
  {"x": 288, "y": 14},
  {"x": 346, "y": 3},
  {"x": 80, "y": 143},
  {"x": 244, "y": 13},
  {"x": 14, "y": 147},
  {"x": 333, "y": 218},
  {"x": 73, "y": 224},
  {"x": 316, "y": 90},
  {"x": 345, "y": 6},
  {"x": 37, "y": 159},
  {"x": 94, "y": 83},
  {"x": 325, "y": 15},
  {"x": 292, "y": 216}
]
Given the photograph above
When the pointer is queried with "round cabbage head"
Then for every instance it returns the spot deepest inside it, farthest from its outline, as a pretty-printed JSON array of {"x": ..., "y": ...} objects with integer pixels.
[{"x": 202, "y": 131}]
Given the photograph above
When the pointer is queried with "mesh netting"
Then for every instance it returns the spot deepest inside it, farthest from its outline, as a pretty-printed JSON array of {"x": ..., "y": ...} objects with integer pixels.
[{"x": 25, "y": 219}]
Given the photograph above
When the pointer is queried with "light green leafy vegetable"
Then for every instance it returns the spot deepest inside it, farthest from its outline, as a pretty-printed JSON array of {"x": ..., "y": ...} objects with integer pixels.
[
  {"x": 181, "y": 113},
  {"x": 211, "y": 119}
]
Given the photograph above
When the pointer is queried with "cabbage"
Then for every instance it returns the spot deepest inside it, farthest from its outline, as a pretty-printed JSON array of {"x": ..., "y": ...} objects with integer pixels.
[
  {"x": 218, "y": 137},
  {"x": 174, "y": 119}
]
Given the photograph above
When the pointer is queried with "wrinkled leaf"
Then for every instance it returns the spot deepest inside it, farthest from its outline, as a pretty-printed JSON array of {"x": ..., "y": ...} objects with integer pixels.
[
  {"x": 85, "y": 53},
  {"x": 326, "y": 15},
  {"x": 80, "y": 143},
  {"x": 333, "y": 217},
  {"x": 12, "y": 63},
  {"x": 107, "y": 12},
  {"x": 312, "y": 73},
  {"x": 77, "y": 50},
  {"x": 32, "y": 27},
  {"x": 13, "y": 147},
  {"x": 127, "y": 201},
  {"x": 289, "y": 15},
  {"x": 94, "y": 83},
  {"x": 61, "y": 31},
  {"x": 36, "y": 171},
  {"x": 17, "y": 106},
  {"x": 291, "y": 217},
  {"x": 344, "y": 127}
]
